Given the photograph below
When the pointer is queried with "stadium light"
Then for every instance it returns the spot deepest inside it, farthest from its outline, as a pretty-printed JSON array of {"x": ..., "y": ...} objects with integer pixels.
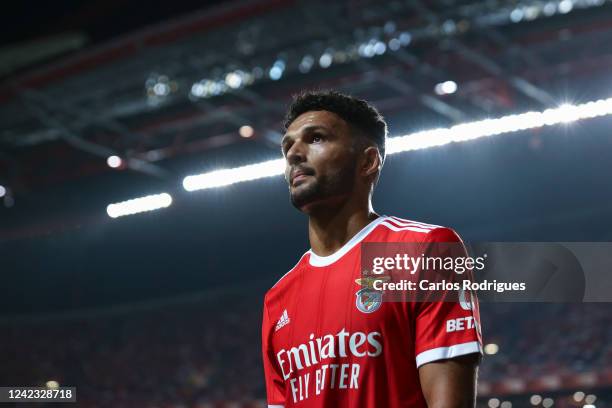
[
  {"x": 446, "y": 88},
  {"x": 138, "y": 205},
  {"x": 420, "y": 140},
  {"x": 226, "y": 177},
  {"x": 114, "y": 161},
  {"x": 306, "y": 64},
  {"x": 394, "y": 44},
  {"x": 326, "y": 60},
  {"x": 491, "y": 348},
  {"x": 493, "y": 403},
  {"x": 506, "y": 124},
  {"x": 415, "y": 141},
  {"x": 246, "y": 131},
  {"x": 535, "y": 399}
]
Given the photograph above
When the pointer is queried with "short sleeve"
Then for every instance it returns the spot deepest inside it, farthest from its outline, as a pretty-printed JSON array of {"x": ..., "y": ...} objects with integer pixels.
[
  {"x": 448, "y": 326},
  {"x": 275, "y": 385}
]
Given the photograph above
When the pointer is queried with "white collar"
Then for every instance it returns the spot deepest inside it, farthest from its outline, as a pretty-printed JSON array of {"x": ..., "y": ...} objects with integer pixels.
[{"x": 316, "y": 260}]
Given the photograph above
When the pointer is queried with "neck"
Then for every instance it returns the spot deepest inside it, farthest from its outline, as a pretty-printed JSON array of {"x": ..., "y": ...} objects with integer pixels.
[{"x": 329, "y": 229}]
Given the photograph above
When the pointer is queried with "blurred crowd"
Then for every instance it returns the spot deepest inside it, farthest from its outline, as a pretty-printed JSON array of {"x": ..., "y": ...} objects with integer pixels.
[
  {"x": 540, "y": 339},
  {"x": 198, "y": 353},
  {"x": 171, "y": 356}
]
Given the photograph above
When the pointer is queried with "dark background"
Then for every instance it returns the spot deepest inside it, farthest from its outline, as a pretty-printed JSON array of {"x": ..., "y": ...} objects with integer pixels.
[{"x": 77, "y": 86}]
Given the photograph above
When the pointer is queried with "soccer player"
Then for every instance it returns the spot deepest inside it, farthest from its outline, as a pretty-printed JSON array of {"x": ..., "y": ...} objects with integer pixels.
[{"x": 325, "y": 342}]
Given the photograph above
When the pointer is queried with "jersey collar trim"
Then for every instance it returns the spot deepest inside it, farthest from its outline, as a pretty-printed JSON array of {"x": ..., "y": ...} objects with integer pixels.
[{"x": 316, "y": 260}]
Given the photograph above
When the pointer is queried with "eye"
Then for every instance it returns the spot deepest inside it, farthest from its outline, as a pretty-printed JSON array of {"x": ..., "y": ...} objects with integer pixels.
[{"x": 317, "y": 138}]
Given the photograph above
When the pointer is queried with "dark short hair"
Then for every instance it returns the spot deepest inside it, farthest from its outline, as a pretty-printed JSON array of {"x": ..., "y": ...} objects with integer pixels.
[{"x": 356, "y": 112}]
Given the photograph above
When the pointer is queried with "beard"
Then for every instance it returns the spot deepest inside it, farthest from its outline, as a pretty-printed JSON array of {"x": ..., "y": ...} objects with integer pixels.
[{"x": 325, "y": 187}]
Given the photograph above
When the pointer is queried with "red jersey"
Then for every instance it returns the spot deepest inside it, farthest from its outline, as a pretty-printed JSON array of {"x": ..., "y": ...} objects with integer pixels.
[{"x": 323, "y": 346}]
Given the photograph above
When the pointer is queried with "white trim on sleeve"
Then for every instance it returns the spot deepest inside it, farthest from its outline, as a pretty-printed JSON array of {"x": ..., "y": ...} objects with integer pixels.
[
  {"x": 442, "y": 353},
  {"x": 276, "y": 406}
]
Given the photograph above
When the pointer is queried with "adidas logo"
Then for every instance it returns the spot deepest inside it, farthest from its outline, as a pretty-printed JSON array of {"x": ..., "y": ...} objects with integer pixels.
[{"x": 283, "y": 321}]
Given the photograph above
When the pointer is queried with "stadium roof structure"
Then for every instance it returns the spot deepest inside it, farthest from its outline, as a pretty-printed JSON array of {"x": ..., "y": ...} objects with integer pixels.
[{"x": 162, "y": 98}]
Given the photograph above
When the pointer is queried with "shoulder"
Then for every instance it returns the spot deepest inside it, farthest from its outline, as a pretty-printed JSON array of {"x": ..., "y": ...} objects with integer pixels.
[
  {"x": 415, "y": 231},
  {"x": 285, "y": 281}
]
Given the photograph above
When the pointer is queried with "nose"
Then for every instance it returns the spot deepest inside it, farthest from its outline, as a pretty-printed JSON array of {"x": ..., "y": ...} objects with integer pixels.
[{"x": 296, "y": 153}]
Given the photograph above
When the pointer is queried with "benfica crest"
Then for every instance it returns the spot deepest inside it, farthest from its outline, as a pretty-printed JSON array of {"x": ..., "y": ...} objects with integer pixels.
[{"x": 368, "y": 300}]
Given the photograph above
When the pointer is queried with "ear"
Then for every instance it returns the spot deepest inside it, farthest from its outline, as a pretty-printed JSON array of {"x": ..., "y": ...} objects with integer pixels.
[{"x": 371, "y": 163}]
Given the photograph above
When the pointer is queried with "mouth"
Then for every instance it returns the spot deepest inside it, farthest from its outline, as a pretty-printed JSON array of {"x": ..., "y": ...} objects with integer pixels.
[
  {"x": 298, "y": 177},
  {"x": 297, "y": 180}
]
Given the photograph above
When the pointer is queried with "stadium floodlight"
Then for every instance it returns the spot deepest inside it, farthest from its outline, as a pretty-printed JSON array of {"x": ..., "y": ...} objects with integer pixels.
[
  {"x": 491, "y": 348},
  {"x": 493, "y": 403},
  {"x": 512, "y": 123},
  {"x": 275, "y": 73},
  {"x": 446, "y": 88},
  {"x": 246, "y": 131},
  {"x": 306, "y": 64},
  {"x": 326, "y": 60},
  {"x": 420, "y": 140},
  {"x": 219, "y": 178},
  {"x": 234, "y": 79},
  {"x": 138, "y": 205},
  {"x": 535, "y": 399},
  {"x": 394, "y": 44},
  {"x": 578, "y": 396},
  {"x": 114, "y": 161}
]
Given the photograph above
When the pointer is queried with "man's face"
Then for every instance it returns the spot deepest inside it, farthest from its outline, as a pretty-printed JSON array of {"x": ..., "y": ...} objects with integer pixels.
[{"x": 320, "y": 159}]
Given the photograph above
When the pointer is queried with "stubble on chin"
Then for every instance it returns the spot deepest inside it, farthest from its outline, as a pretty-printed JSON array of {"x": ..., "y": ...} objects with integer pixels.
[
  {"x": 323, "y": 188},
  {"x": 304, "y": 195}
]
